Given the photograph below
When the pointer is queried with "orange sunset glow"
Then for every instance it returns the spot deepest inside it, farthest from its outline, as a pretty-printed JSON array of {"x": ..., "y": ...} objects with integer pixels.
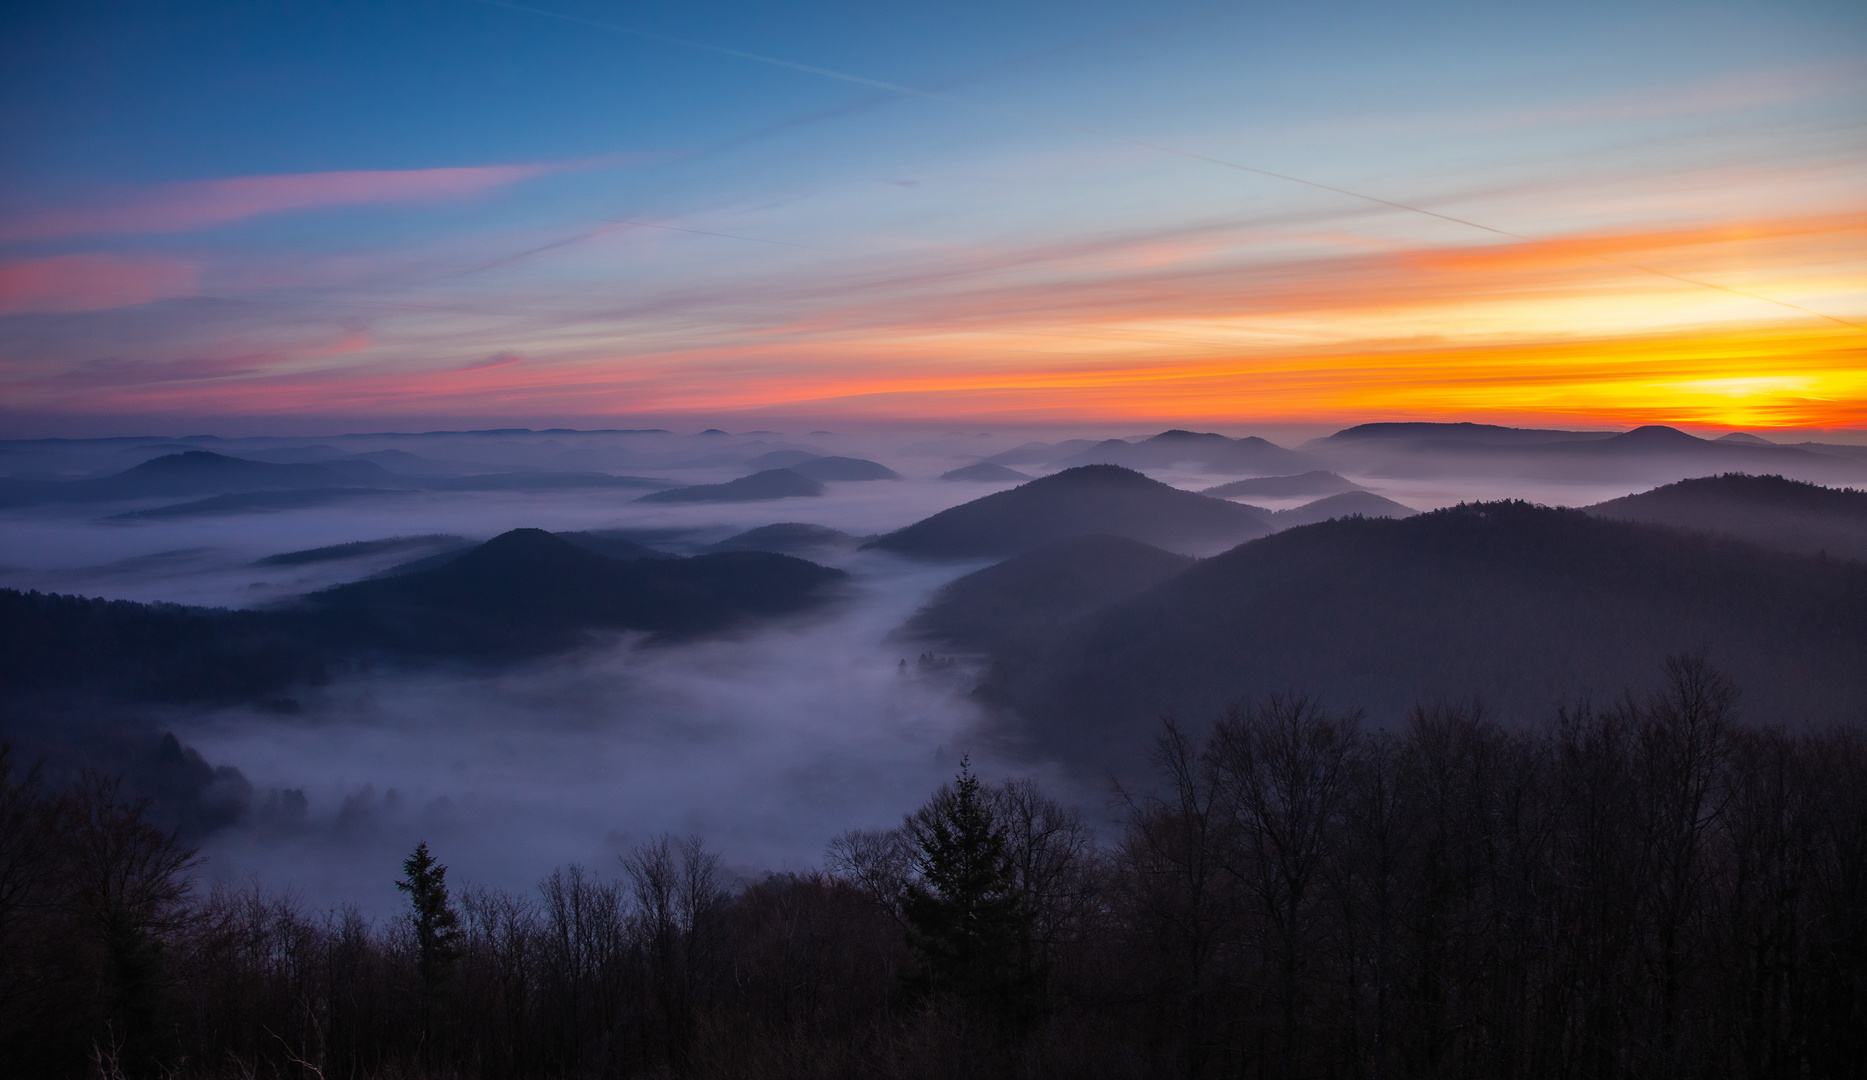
[
  {"x": 1618, "y": 327},
  {"x": 1680, "y": 246}
]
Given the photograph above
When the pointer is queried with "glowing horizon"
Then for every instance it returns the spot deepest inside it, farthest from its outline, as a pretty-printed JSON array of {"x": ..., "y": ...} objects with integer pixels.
[{"x": 1685, "y": 244}]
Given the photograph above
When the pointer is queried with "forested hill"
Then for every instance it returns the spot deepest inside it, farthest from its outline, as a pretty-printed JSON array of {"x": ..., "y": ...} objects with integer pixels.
[
  {"x": 1088, "y": 500},
  {"x": 523, "y": 593},
  {"x": 196, "y": 472},
  {"x": 1027, "y": 595},
  {"x": 1524, "y": 605},
  {"x": 1768, "y": 510}
]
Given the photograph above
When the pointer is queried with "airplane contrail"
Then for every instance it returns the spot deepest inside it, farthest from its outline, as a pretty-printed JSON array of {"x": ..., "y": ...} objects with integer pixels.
[{"x": 1064, "y": 125}]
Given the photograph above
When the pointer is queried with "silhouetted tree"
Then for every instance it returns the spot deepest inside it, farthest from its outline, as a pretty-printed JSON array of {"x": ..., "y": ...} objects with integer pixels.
[
  {"x": 968, "y": 924},
  {"x": 435, "y": 924}
]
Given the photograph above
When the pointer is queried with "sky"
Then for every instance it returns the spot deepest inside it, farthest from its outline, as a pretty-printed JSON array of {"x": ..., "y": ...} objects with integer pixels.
[{"x": 626, "y": 214}]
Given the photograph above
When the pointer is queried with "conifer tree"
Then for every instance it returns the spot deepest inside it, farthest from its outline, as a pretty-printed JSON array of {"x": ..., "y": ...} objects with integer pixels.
[
  {"x": 436, "y": 926},
  {"x": 967, "y": 921}
]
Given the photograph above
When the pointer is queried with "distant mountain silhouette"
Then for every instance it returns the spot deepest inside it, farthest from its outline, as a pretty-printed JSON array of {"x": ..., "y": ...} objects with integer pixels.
[
  {"x": 790, "y": 538},
  {"x": 361, "y": 549},
  {"x": 1079, "y": 502},
  {"x": 256, "y": 502},
  {"x": 987, "y": 472},
  {"x": 1743, "y": 437},
  {"x": 605, "y": 542},
  {"x": 1784, "y": 514},
  {"x": 1654, "y": 453},
  {"x": 1039, "y": 453},
  {"x": 770, "y": 484},
  {"x": 1208, "y": 450},
  {"x": 1023, "y": 597},
  {"x": 1525, "y": 606},
  {"x": 844, "y": 468},
  {"x": 527, "y": 591},
  {"x": 543, "y": 481},
  {"x": 1347, "y": 504},
  {"x": 1461, "y": 432},
  {"x": 780, "y": 459},
  {"x": 1315, "y": 482},
  {"x": 523, "y": 593},
  {"x": 197, "y": 472}
]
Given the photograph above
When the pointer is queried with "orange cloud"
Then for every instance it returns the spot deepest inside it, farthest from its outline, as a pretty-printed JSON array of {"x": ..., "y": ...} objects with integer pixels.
[
  {"x": 1222, "y": 327},
  {"x": 67, "y": 283}
]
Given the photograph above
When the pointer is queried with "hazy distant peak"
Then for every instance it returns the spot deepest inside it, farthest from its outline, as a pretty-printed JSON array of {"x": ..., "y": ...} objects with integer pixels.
[
  {"x": 787, "y": 537},
  {"x": 1656, "y": 435},
  {"x": 844, "y": 468},
  {"x": 1743, "y": 437},
  {"x": 1461, "y": 431},
  {"x": 1347, "y": 504},
  {"x": 1029, "y": 594},
  {"x": 525, "y": 545},
  {"x": 770, "y": 484},
  {"x": 988, "y": 472},
  {"x": 1075, "y": 502},
  {"x": 1182, "y": 435},
  {"x": 187, "y": 461},
  {"x": 1770, "y": 510},
  {"x": 1097, "y": 475},
  {"x": 781, "y": 459},
  {"x": 1314, "y": 482}
]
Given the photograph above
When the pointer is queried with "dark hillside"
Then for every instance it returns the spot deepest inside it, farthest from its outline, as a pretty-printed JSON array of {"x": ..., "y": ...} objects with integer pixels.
[
  {"x": 1314, "y": 482},
  {"x": 1653, "y": 453},
  {"x": 789, "y": 537},
  {"x": 1347, "y": 504},
  {"x": 1788, "y": 515},
  {"x": 1079, "y": 502},
  {"x": 118, "y": 649},
  {"x": 361, "y": 549},
  {"x": 770, "y": 484},
  {"x": 844, "y": 468},
  {"x": 1523, "y": 605},
  {"x": 197, "y": 472},
  {"x": 1208, "y": 450},
  {"x": 256, "y": 502},
  {"x": 607, "y": 543},
  {"x": 523, "y": 593},
  {"x": 1461, "y": 432},
  {"x": 987, "y": 472},
  {"x": 1026, "y": 595},
  {"x": 527, "y": 592}
]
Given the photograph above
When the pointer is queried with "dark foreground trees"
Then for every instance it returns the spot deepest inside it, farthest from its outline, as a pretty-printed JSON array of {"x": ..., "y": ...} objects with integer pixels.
[{"x": 1649, "y": 889}]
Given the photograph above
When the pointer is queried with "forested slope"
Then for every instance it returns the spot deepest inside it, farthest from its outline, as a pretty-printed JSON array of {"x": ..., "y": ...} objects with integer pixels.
[{"x": 1522, "y": 605}]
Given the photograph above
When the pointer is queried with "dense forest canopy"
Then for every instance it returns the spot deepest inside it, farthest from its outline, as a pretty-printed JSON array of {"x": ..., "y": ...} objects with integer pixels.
[{"x": 1648, "y": 889}]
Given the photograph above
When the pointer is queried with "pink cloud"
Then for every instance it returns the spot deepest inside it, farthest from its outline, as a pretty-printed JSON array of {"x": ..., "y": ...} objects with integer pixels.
[
  {"x": 91, "y": 282},
  {"x": 202, "y": 204},
  {"x": 503, "y": 358}
]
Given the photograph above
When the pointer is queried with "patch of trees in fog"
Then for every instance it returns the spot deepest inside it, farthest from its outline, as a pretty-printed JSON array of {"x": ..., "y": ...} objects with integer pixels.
[{"x": 1646, "y": 889}]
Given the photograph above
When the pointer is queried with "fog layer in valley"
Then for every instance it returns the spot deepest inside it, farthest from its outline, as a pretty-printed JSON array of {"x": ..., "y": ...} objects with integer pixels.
[{"x": 768, "y": 741}]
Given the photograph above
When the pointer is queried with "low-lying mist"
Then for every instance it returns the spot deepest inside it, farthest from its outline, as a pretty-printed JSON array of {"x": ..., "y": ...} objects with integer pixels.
[{"x": 769, "y": 742}]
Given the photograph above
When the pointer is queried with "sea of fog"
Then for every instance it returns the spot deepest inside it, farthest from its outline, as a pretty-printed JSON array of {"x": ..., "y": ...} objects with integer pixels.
[{"x": 768, "y": 743}]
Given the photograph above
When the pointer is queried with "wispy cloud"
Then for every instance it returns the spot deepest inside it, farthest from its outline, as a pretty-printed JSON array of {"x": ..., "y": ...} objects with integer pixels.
[
  {"x": 68, "y": 283},
  {"x": 203, "y": 204},
  {"x": 1270, "y": 317}
]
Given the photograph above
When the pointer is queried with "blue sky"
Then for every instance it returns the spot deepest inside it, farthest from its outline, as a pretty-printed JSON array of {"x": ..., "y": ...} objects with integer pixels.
[{"x": 1545, "y": 122}]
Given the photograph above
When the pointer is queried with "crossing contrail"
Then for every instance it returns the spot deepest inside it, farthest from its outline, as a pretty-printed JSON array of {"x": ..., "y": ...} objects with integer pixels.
[{"x": 1064, "y": 125}]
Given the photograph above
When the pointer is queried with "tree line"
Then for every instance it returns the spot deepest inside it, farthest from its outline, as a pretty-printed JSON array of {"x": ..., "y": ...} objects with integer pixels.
[{"x": 1642, "y": 889}]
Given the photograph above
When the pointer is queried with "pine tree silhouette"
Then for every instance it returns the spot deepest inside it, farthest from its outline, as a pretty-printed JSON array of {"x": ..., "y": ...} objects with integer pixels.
[
  {"x": 436, "y": 926},
  {"x": 967, "y": 921}
]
